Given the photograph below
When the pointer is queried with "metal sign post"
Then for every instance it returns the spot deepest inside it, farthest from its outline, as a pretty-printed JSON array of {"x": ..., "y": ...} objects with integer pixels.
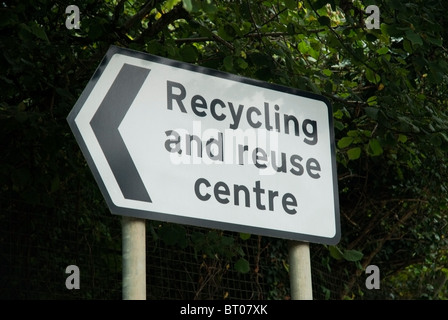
[
  {"x": 134, "y": 258},
  {"x": 300, "y": 271}
]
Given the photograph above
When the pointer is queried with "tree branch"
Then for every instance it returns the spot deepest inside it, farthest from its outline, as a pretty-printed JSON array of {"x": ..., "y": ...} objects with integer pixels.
[
  {"x": 178, "y": 12},
  {"x": 248, "y": 35},
  {"x": 139, "y": 15},
  {"x": 380, "y": 245}
]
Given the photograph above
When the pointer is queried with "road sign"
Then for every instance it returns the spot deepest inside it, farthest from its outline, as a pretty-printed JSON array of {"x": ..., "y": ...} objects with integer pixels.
[{"x": 175, "y": 142}]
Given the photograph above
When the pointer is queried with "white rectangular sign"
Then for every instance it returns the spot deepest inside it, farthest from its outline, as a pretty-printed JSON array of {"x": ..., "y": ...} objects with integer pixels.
[{"x": 175, "y": 142}]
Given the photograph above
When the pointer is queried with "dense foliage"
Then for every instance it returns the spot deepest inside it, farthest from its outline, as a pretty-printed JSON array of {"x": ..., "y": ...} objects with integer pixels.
[{"x": 388, "y": 88}]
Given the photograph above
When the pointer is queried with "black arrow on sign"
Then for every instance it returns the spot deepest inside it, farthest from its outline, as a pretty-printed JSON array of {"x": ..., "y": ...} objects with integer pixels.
[{"x": 105, "y": 124}]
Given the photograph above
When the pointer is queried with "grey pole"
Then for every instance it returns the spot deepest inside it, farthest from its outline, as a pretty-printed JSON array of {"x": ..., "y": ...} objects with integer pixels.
[
  {"x": 134, "y": 258},
  {"x": 300, "y": 271}
]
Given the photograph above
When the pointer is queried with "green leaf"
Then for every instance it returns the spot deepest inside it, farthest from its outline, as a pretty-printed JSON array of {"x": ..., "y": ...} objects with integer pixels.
[
  {"x": 303, "y": 47},
  {"x": 242, "y": 63},
  {"x": 39, "y": 32},
  {"x": 444, "y": 136},
  {"x": 209, "y": 7},
  {"x": 327, "y": 72},
  {"x": 437, "y": 41},
  {"x": 372, "y": 76},
  {"x": 228, "y": 63},
  {"x": 339, "y": 114},
  {"x": 375, "y": 147},
  {"x": 339, "y": 125},
  {"x": 353, "y": 255},
  {"x": 345, "y": 142},
  {"x": 335, "y": 252},
  {"x": 414, "y": 37},
  {"x": 242, "y": 266},
  {"x": 188, "y": 5},
  {"x": 313, "y": 86},
  {"x": 244, "y": 236},
  {"x": 402, "y": 138},
  {"x": 189, "y": 53},
  {"x": 227, "y": 32},
  {"x": 353, "y": 133},
  {"x": 372, "y": 112},
  {"x": 372, "y": 101},
  {"x": 407, "y": 46},
  {"x": 354, "y": 153},
  {"x": 382, "y": 50}
]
